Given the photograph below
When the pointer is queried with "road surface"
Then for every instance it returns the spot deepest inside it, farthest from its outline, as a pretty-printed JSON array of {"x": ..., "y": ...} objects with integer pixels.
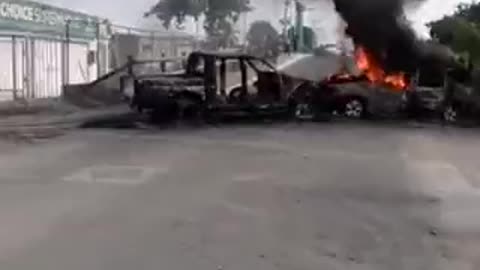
[{"x": 281, "y": 196}]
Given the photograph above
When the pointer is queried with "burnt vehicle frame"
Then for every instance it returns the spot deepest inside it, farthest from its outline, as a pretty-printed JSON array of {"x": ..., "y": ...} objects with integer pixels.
[
  {"x": 354, "y": 97},
  {"x": 461, "y": 98},
  {"x": 449, "y": 95},
  {"x": 201, "y": 91}
]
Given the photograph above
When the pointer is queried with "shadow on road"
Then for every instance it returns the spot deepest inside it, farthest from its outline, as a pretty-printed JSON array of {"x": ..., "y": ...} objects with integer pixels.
[{"x": 135, "y": 121}]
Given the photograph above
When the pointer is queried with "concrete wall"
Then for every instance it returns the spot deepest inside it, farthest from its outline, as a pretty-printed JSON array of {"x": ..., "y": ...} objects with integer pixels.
[
  {"x": 144, "y": 47},
  {"x": 121, "y": 46}
]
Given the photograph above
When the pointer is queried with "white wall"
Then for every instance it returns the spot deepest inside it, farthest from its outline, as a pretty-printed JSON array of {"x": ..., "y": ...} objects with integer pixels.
[
  {"x": 39, "y": 67},
  {"x": 6, "y": 81},
  {"x": 48, "y": 69},
  {"x": 6, "y": 68},
  {"x": 78, "y": 64}
]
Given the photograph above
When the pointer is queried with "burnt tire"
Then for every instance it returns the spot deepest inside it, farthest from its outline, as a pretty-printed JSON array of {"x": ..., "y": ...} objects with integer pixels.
[
  {"x": 354, "y": 108},
  {"x": 303, "y": 112},
  {"x": 300, "y": 105},
  {"x": 308, "y": 112},
  {"x": 189, "y": 107},
  {"x": 164, "y": 113},
  {"x": 451, "y": 114},
  {"x": 236, "y": 96}
]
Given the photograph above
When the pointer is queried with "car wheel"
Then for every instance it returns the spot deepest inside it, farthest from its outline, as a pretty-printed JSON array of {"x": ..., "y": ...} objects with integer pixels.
[
  {"x": 164, "y": 113},
  {"x": 303, "y": 111},
  {"x": 450, "y": 114},
  {"x": 188, "y": 109},
  {"x": 354, "y": 108},
  {"x": 236, "y": 96}
]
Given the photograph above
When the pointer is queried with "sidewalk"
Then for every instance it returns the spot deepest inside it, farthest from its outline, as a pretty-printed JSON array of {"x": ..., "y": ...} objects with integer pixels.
[{"x": 60, "y": 119}]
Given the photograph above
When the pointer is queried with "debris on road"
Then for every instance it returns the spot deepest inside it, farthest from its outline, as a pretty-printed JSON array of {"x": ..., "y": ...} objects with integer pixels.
[
  {"x": 332, "y": 255},
  {"x": 433, "y": 232}
]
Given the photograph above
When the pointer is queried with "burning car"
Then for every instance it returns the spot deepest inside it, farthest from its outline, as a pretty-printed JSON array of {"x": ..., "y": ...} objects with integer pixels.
[
  {"x": 361, "y": 88},
  {"x": 374, "y": 91},
  {"x": 358, "y": 98},
  {"x": 352, "y": 86}
]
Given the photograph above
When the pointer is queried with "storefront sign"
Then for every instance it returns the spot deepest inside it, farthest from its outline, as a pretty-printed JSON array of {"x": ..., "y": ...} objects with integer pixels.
[{"x": 27, "y": 16}]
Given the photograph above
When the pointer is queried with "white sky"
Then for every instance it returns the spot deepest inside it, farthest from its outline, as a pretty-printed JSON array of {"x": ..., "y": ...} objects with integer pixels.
[{"x": 128, "y": 12}]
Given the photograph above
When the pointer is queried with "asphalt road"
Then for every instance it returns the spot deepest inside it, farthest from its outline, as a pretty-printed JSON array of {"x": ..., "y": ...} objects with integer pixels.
[{"x": 281, "y": 196}]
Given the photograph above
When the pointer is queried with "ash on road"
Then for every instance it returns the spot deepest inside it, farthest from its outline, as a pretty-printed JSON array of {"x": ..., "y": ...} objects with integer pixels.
[{"x": 284, "y": 196}]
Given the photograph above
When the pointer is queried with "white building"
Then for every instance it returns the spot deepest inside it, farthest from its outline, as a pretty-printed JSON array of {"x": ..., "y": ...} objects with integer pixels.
[
  {"x": 43, "y": 47},
  {"x": 144, "y": 46}
]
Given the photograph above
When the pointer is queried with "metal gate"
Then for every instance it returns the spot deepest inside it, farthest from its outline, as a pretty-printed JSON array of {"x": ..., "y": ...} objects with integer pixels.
[
  {"x": 39, "y": 67},
  {"x": 46, "y": 68},
  {"x": 7, "y": 69}
]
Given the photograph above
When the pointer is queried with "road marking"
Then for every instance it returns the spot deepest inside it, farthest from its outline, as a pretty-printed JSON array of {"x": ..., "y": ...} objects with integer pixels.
[{"x": 127, "y": 175}]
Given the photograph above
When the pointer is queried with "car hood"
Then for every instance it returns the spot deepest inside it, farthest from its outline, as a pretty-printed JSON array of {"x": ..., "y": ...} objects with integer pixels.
[{"x": 318, "y": 67}]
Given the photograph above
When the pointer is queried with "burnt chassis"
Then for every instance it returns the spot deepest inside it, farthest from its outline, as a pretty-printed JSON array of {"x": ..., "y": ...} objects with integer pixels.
[
  {"x": 201, "y": 90},
  {"x": 415, "y": 102}
]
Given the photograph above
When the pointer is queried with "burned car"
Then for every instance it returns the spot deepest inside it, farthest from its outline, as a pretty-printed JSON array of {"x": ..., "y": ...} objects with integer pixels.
[
  {"x": 461, "y": 98},
  {"x": 449, "y": 95},
  {"x": 202, "y": 89},
  {"x": 426, "y": 96},
  {"x": 334, "y": 83},
  {"x": 357, "y": 97},
  {"x": 356, "y": 89}
]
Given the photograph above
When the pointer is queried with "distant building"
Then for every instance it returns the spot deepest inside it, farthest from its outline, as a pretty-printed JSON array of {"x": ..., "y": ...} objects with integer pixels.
[
  {"x": 150, "y": 46},
  {"x": 44, "y": 47}
]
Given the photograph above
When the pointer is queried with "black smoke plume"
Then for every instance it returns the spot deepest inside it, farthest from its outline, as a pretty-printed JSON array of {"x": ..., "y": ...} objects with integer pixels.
[{"x": 381, "y": 27}]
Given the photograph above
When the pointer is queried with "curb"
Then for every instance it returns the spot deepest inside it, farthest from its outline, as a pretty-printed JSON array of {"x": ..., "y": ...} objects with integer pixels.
[{"x": 71, "y": 121}]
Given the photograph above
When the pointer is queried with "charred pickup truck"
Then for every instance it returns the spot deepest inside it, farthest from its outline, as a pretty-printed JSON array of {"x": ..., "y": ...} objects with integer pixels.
[{"x": 204, "y": 89}]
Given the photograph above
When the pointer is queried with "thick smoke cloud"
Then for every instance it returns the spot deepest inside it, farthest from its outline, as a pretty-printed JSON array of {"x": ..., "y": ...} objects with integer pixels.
[{"x": 381, "y": 26}]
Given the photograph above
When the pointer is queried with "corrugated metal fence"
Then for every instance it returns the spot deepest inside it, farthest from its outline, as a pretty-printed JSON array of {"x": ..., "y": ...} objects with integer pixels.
[
  {"x": 33, "y": 67},
  {"x": 39, "y": 65}
]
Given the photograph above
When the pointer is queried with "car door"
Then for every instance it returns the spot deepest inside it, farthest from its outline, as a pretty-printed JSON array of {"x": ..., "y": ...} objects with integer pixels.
[{"x": 385, "y": 101}]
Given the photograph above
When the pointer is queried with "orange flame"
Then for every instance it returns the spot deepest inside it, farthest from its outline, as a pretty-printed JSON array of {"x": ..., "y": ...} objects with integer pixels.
[{"x": 374, "y": 72}]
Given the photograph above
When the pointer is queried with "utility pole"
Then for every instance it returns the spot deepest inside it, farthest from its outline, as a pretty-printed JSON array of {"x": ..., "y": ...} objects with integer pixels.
[
  {"x": 245, "y": 27},
  {"x": 299, "y": 26},
  {"x": 285, "y": 21}
]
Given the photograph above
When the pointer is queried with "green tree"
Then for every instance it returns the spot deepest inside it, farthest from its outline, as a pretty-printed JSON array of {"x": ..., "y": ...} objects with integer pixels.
[
  {"x": 263, "y": 40},
  {"x": 460, "y": 31},
  {"x": 220, "y": 15},
  {"x": 469, "y": 12},
  {"x": 309, "y": 38}
]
